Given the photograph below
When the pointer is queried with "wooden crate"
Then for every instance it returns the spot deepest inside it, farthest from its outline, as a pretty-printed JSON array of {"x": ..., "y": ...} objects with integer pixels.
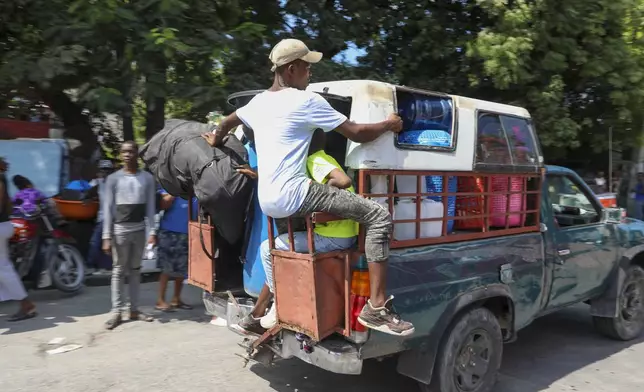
[
  {"x": 312, "y": 290},
  {"x": 201, "y": 252}
]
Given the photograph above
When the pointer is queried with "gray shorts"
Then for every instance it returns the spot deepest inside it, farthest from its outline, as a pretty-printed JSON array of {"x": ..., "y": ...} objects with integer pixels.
[{"x": 374, "y": 217}]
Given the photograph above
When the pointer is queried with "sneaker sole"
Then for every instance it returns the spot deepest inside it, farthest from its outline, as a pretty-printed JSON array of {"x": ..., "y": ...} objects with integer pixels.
[
  {"x": 242, "y": 332},
  {"x": 385, "y": 329}
]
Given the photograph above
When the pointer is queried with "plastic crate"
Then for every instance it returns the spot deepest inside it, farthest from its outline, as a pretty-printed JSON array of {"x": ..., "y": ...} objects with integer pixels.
[{"x": 435, "y": 184}]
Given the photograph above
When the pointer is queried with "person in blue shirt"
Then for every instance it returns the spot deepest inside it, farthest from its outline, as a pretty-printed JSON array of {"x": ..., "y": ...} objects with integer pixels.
[
  {"x": 639, "y": 197},
  {"x": 172, "y": 251},
  {"x": 98, "y": 261}
]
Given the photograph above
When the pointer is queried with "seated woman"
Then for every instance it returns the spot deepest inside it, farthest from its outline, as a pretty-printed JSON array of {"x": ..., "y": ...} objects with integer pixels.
[{"x": 331, "y": 236}]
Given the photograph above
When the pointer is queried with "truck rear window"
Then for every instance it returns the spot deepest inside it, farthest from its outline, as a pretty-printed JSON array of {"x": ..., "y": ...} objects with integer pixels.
[
  {"x": 505, "y": 140},
  {"x": 428, "y": 121}
]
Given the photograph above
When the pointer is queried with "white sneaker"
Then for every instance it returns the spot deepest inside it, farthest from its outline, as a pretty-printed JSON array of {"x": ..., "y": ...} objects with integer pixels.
[
  {"x": 218, "y": 322},
  {"x": 270, "y": 320}
]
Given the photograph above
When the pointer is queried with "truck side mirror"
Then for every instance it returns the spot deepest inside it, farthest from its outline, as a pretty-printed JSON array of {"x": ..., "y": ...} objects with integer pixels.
[
  {"x": 613, "y": 215},
  {"x": 570, "y": 211}
]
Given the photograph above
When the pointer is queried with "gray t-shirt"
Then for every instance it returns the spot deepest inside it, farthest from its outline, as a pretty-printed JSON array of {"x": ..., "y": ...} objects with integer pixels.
[{"x": 129, "y": 200}]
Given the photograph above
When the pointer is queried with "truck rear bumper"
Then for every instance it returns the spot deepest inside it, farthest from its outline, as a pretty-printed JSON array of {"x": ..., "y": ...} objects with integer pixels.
[{"x": 334, "y": 354}]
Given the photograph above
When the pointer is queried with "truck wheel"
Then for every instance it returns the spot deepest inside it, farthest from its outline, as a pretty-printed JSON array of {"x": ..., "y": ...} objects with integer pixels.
[
  {"x": 629, "y": 323},
  {"x": 470, "y": 358}
]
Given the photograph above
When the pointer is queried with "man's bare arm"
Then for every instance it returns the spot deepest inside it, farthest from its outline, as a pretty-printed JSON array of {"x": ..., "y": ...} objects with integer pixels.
[
  {"x": 363, "y": 133},
  {"x": 225, "y": 126},
  {"x": 166, "y": 201},
  {"x": 339, "y": 179}
]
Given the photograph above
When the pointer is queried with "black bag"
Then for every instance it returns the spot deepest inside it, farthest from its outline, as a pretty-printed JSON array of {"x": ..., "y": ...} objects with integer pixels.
[{"x": 184, "y": 164}]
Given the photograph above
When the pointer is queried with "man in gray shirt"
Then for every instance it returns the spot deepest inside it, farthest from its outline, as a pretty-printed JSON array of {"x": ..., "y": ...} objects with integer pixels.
[{"x": 129, "y": 200}]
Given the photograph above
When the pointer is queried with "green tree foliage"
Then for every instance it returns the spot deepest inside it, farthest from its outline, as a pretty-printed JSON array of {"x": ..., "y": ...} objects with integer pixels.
[
  {"x": 570, "y": 62},
  {"x": 577, "y": 65},
  {"x": 79, "y": 55}
]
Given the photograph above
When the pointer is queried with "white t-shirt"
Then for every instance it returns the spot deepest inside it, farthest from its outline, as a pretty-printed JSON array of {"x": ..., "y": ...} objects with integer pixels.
[{"x": 283, "y": 123}]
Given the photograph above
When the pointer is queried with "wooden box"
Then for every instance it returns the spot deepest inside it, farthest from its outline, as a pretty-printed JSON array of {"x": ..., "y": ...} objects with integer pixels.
[
  {"x": 201, "y": 253},
  {"x": 312, "y": 290}
]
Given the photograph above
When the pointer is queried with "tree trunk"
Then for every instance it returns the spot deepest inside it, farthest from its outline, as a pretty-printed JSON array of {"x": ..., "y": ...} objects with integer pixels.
[
  {"x": 77, "y": 125},
  {"x": 155, "y": 98},
  {"x": 155, "y": 116},
  {"x": 128, "y": 126},
  {"x": 126, "y": 82}
]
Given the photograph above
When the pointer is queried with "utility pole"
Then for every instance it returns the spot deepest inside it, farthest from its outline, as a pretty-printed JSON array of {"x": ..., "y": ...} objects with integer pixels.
[{"x": 610, "y": 159}]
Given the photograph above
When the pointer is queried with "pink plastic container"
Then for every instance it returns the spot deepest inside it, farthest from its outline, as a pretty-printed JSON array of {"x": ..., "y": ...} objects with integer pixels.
[{"x": 499, "y": 203}]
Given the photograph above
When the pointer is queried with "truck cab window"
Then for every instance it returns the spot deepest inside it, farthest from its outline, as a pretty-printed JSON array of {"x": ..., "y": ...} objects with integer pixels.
[{"x": 571, "y": 204}]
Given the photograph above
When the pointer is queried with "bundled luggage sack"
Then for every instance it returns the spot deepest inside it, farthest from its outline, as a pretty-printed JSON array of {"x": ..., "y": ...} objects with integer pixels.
[{"x": 185, "y": 164}]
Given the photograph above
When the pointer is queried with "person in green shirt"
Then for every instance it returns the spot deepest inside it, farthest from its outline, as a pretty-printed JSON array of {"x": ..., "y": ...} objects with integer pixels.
[{"x": 330, "y": 236}]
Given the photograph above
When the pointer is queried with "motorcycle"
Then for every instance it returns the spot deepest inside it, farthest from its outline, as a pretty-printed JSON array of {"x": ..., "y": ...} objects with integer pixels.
[{"x": 43, "y": 252}]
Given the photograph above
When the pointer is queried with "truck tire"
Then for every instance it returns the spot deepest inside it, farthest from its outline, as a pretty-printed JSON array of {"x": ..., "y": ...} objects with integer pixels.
[
  {"x": 629, "y": 323},
  {"x": 470, "y": 357}
]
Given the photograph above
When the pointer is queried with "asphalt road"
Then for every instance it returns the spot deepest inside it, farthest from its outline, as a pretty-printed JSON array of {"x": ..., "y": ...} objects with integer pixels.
[{"x": 182, "y": 352}]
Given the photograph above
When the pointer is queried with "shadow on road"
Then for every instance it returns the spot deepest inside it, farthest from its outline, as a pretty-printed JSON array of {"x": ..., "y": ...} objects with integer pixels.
[
  {"x": 548, "y": 350},
  {"x": 56, "y": 308}
]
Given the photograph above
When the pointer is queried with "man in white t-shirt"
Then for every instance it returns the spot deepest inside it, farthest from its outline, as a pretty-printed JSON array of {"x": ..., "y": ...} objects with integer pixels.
[
  {"x": 283, "y": 119},
  {"x": 600, "y": 181}
]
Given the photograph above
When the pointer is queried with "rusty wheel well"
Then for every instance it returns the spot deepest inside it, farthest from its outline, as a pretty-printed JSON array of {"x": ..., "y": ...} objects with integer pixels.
[{"x": 503, "y": 309}]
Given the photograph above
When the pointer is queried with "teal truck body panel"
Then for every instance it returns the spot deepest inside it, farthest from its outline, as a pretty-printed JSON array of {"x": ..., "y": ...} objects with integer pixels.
[
  {"x": 522, "y": 277},
  {"x": 579, "y": 255}
]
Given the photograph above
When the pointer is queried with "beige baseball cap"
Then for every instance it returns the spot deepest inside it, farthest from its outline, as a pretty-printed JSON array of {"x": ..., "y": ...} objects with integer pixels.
[{"x": 289, "y": 50}]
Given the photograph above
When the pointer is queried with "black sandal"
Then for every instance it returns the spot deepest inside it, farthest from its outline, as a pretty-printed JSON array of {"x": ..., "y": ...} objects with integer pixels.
[
  {"x": 113, "y": 322},
  {"x": 140, "y": 316},
  {"x": 168, "y": 309},
  {"x": 182, "y": 306},
  {"x": 22, "y": 315}
]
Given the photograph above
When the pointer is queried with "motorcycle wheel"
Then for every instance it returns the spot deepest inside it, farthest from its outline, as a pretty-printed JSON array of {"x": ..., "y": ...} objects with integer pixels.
[{"x": 67, "y": 269}]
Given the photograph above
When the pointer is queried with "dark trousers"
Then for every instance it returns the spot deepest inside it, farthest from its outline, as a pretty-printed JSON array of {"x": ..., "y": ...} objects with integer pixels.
[{"x": 96, "y": 258}]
